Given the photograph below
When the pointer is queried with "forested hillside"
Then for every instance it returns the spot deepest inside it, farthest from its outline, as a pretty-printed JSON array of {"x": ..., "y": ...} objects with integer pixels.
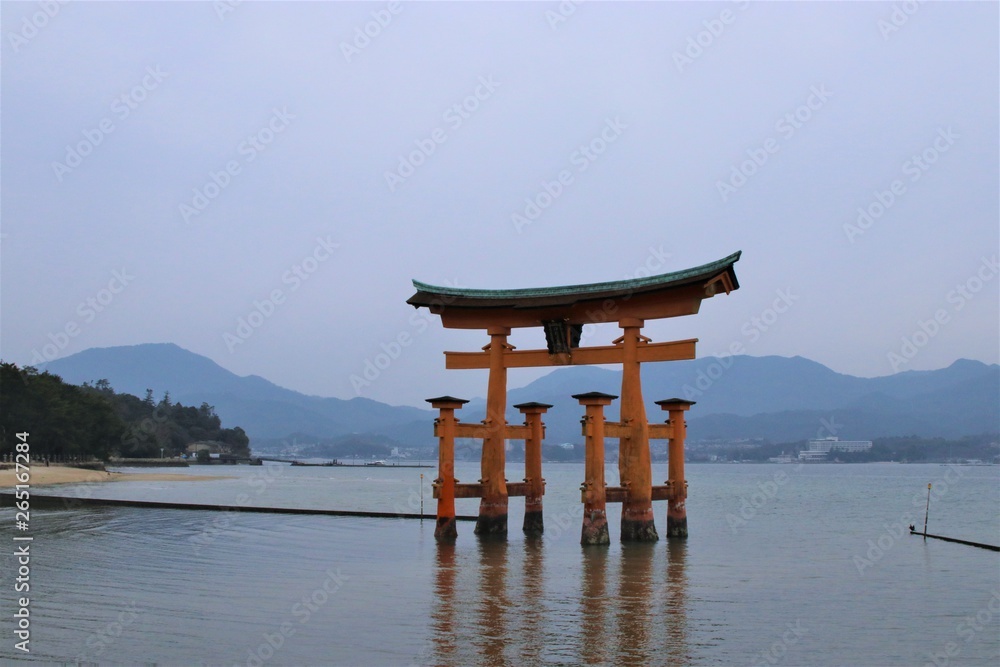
[{"x": 93, "y": 421}]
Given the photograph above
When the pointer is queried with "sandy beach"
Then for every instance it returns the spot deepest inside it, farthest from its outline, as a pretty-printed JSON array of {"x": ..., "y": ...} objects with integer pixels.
[{"x": 49, "y": 475}]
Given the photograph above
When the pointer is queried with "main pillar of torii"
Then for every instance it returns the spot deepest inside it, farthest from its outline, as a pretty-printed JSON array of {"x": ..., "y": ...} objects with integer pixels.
[{"x": 562, "y": 313}]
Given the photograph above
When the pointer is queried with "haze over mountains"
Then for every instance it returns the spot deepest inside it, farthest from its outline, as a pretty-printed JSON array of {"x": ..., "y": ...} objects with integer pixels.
[
  {"x": 777, "y": 398},
  {"x": 262, "y": 408}
]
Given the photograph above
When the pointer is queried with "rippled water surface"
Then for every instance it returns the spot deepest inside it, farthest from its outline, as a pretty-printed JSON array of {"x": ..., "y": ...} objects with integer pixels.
[{"x": 785, "y": 564}]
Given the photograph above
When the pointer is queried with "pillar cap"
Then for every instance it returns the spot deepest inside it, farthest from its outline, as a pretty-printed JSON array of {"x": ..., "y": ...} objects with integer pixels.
[
  {"x": 446, "y": 401},
  {"x": 675, "y": 403},
  {"x": 532, "y": 405},
  {"x": 595, "y": 398}
]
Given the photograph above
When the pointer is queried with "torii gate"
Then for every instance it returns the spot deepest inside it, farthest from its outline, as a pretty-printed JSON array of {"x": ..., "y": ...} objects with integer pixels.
[{"x": 562, "y": 312}]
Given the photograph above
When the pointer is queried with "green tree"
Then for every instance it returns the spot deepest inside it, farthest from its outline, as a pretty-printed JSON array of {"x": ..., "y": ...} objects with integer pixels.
[
  {"x": 62, "y": 419},
  {"x": 94, "y": 420}
]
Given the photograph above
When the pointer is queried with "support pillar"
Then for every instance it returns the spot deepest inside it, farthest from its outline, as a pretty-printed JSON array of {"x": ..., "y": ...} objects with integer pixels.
[
  {"x": 634, "y": 464},
  {"x": 677, "y": 500},
  {"x": 493, "y": 507},
  {"x": 444, "y": 485},
  {"x": 533, "y": 522},
  {"x": 595, "y": 516}
]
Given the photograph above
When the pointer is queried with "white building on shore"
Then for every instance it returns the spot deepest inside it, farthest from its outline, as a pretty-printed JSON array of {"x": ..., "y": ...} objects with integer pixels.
[{"x": 819, "y": 449}]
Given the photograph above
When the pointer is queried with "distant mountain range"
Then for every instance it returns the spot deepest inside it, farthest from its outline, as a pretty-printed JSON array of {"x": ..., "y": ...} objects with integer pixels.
[
  {"x": 262, "y": 408},
  {"x": 777, "y": 398},
  {"x": 786, "y": 399}
]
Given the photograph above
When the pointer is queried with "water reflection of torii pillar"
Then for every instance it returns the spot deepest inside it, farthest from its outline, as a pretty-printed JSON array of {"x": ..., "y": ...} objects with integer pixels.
[
  {"x": 562, "y": 313},
  {"x": 445, "y": 612},
  {"x": 675, "y": 600}
]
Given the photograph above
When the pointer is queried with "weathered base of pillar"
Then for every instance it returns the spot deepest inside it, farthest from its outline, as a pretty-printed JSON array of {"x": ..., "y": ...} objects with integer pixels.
[
  {"x": 637, "y": 523},
  {"x": 677, "y": 523},
  {"x": 492, "y": 519},
  {"x": 445, "y": 531},
  {"x": 595, "y": 528},
  {"x": 533, "y": 523}
]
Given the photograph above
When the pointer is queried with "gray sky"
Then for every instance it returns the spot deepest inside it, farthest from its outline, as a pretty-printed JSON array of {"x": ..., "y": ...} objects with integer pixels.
[{"x": 169, "y": 168}]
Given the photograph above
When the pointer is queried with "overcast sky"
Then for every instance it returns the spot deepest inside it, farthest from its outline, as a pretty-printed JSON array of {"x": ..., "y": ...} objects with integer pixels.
[{"x": 170, "y": 169}]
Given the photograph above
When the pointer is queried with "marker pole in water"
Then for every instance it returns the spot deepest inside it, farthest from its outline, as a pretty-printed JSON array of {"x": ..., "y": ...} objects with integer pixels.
[
  {"x": 422, "y": 497},
  {"x": 927, "y": 511}
]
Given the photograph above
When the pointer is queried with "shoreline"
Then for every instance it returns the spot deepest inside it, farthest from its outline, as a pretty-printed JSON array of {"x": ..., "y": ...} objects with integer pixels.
[{"x": 54, "y": 475}]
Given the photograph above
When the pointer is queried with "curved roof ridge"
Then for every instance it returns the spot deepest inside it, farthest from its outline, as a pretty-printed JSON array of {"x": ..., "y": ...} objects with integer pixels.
[{"x": 564, "y": 290}]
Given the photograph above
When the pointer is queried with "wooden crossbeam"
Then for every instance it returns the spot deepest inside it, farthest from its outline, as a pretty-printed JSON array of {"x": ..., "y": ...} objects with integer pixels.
[
  {"x": 475, "y": 490},
  {"x": 511, "y": 431},
  {"x": 618, "y": 494},
  {"x": 613, "y": 494},
  {"x": 617, "y": 430},
  {"x": 467, "y": 491},
  {"x": 582, "y": 356},
  {"x": 660, "y": 431},
  {"x": 517, "y": 489}
]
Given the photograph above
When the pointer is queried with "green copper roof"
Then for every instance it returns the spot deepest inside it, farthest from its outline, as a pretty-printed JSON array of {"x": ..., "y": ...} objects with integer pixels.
[{"x": 425, "y": 290}]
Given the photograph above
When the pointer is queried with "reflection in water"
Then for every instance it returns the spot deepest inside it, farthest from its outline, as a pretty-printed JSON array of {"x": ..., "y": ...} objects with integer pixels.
[
  {"x": 444, "y": 610},
  {"x": 633, "y": 618},
  {"x": 594, "y": 599},
  {"x": 675, "y": 612},
  {"x": 642, "y": 620},
  {"x": 491, "y": 630},
  {"x": 532, "y": 600},
  {"x": 491, "y": 609}
]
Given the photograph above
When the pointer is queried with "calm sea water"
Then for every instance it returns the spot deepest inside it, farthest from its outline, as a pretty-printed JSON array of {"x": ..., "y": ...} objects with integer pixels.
[{"x": 786, "y": 564}]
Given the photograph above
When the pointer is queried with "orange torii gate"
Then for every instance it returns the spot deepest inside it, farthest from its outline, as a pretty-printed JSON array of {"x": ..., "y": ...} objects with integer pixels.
[{"x": 562, "y": 312}]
